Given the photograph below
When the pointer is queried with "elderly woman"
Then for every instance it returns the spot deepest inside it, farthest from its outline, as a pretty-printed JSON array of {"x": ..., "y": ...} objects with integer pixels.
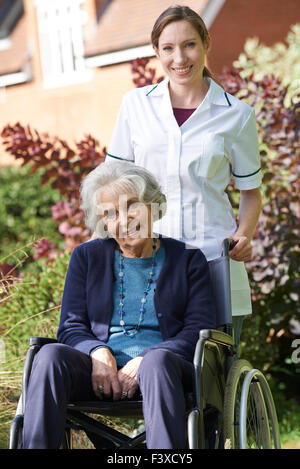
[{"x": 132, "y": 308}]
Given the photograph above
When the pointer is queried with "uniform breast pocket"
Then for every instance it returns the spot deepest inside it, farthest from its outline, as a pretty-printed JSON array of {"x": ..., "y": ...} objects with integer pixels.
[{"x": 212, "y": 156}]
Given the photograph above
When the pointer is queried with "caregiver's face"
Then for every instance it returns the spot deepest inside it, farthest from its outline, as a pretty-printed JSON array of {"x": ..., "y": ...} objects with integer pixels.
[
  {"x": 181, "y": 52},
  {"x": 125, "y": 217}
]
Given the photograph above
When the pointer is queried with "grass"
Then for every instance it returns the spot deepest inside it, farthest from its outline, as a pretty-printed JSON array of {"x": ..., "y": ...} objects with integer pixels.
[
  {"x": 10, "y": 389},
  {"x": 290, "y": 425},
  {"x": 292, "y": 444}
]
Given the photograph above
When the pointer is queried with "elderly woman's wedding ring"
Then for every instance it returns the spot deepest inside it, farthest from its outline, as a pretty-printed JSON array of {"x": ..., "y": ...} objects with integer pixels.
[
  {"x": 124, "y": 394},
  {"x": 100, "y": 388}
]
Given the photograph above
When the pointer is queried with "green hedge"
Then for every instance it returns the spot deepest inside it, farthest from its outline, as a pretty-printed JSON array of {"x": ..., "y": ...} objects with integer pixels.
[{"x": 25, "y": 210}]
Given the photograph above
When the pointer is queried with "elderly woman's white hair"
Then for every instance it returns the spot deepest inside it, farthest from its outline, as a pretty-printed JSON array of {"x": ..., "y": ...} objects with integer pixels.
[{"x": 118, "y": 177}]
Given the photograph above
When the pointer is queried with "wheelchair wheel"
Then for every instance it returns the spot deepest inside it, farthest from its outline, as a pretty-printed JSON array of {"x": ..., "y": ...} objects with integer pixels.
[
  {"x": 16, "y": 428},
  {"x": 250, "y": 419},
  {"x": 258, "y": 419},
  {"x": 16, "y": 431},
  {"x": 15, "y": 436}
]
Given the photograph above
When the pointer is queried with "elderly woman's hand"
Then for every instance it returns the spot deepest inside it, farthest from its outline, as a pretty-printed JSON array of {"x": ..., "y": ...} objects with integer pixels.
[
  {"x": 105, "y": 374},
  {"x": 127, "y": 377}
]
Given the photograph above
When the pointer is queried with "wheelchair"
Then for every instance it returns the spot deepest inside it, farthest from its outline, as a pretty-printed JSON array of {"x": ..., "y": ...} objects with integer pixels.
[{"x": 231, "y": 406}]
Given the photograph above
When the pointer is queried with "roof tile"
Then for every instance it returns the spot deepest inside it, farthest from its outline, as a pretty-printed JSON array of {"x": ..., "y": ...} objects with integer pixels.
[{"x": 128, "y": 23}]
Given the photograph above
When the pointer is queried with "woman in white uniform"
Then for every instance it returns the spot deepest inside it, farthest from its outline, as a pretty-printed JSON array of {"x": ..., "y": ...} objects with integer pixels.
[{"x": 193, "y": 136}]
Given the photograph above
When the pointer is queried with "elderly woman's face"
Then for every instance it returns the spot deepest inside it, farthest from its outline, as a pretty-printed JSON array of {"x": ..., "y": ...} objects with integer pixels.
[{"x": 125, "y": 217}]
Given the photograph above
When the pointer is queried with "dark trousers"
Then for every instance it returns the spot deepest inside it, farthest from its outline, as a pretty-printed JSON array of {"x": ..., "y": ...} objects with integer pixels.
[{"x": 61, "y": 374}]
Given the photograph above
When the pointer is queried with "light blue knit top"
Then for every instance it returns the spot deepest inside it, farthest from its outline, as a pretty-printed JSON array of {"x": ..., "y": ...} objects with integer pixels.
[{"x": 136, "y": 272}]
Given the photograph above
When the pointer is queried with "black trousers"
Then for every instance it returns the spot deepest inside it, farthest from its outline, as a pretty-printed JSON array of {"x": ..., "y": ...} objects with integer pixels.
[{"x": 61, "y": 374}]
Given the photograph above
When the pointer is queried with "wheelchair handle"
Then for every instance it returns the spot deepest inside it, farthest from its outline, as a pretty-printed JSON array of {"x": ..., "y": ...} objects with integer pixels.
[{"x": 228, "y": 245}]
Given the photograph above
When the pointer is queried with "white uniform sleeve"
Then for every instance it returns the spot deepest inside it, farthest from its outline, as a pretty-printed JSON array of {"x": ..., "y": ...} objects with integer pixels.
[
  {"x": 246, "y": 166},
  {"x": 121, "y": 146}
]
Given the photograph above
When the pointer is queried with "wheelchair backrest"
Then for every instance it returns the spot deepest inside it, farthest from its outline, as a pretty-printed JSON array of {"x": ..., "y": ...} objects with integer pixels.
[{"x": 220, "y": 279}]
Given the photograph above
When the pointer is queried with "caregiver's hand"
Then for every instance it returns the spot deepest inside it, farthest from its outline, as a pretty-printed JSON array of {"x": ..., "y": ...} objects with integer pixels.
[
  {"x": 105, "y": 374},
  {"x": 249, "y": 210},
  {"x": 242, "y": 251},
  {"x": 128, "y": 377}
]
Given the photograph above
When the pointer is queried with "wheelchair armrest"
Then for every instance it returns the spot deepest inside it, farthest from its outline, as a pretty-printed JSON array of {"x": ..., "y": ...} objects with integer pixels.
[
  {"x": 216, "y": 336},
  {"x": 40, "y": 341},
  {"x": 35, "y": 344}
]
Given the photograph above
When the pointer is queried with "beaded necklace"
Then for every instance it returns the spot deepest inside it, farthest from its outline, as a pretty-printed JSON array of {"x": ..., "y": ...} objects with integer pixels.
[{"x": 146, "y": 291}]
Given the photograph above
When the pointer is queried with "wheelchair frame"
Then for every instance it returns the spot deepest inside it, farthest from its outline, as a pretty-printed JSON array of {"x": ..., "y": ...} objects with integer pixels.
[{"x": 217, "y": 409}]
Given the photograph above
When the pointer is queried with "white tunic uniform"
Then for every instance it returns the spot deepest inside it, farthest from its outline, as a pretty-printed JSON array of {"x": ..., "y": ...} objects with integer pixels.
[{"x": 193, "y": 163}]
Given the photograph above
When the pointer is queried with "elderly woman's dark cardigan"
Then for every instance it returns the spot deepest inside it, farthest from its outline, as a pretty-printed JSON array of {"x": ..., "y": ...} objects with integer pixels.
[{"x": 183, "y": 300}]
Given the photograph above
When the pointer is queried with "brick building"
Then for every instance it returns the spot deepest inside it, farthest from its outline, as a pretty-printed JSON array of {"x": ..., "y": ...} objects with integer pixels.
[{"x": 65, "y": 64}]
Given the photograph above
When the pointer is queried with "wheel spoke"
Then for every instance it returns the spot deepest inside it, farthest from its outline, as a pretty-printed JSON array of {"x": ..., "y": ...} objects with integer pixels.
[{"x": 250, "y": 419}]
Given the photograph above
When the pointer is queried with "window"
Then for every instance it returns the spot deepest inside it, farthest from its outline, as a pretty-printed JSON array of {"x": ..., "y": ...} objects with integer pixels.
[
  {"x": 10, "y": 13},
  {"x": 60, "y": 24}
]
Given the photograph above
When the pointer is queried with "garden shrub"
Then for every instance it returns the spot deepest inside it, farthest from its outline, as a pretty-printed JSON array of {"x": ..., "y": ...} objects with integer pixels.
[
  {"x": 63, "y": 168},
  {"x": 25, "y": 210},
  {"x": 281, "y": 59},
  {"x": 31, "y": 308}
]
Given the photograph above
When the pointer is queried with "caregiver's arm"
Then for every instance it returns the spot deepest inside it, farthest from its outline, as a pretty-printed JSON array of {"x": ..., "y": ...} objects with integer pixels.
[{"x": 249, "y": 211}]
